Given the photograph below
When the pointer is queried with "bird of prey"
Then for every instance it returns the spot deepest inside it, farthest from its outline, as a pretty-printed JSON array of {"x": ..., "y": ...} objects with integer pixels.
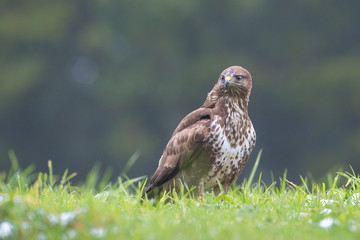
[{"x": 212, "y": 144}]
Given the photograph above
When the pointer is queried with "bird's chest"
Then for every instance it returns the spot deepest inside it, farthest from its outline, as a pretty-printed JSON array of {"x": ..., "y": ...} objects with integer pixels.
[{"x": 231, "y": 140}]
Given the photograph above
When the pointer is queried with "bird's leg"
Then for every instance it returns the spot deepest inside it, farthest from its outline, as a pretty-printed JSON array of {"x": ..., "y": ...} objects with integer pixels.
[
  {"x": 201, "y": 189},
  {"x": 216, "y": 190},
  {"x": 226, "y": 187}
]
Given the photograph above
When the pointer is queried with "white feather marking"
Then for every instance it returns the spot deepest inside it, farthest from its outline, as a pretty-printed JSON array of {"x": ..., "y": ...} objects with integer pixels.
[{"x": 228, "y": 155}]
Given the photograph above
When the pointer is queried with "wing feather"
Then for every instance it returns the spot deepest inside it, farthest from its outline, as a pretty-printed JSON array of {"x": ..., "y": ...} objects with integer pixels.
[
  {"x": 193, "y": 117},
  {"x": 184, "y": 145}
]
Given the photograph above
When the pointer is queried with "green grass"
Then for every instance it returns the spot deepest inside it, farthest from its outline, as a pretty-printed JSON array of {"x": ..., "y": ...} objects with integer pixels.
[{"x": 43, "y": 206}]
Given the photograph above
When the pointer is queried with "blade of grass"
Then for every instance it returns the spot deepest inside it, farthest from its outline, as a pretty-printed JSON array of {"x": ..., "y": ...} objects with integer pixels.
[
  {"x": 252, "y": 174},
  {"x": 51, "y": 174},
  {"x": 130, "y": 163}
]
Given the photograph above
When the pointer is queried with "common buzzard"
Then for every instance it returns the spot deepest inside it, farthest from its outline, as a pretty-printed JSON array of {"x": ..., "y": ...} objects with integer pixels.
[{"x": 212, "y": 144}]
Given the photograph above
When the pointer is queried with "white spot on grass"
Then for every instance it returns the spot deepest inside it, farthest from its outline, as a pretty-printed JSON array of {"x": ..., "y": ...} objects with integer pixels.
[
  {"x": 105, "y": 194},
  {"x": 66, "y": 217},
  {"x": 4, "y": 197},
  {"x": 325, "y": 202},
  {"x": 6, "y": 229},
  {"x": 53, "y": 219},
  {"x": 18, "y": 199},
  {"x": 309, "y": 199},
  {"x": 303, "y": 214},
  {"x": 214, "y": 232},
  {"x": 71, "y": 233},
  {"x": 355, "y": 199},
  {"x": 353, "y": 225},
  {"x": 353, "y": 228},
  {"x": 115, "y": 229},
  {"x": 327, "y": 223},
  {"x": 326, "y": 211},
  {"x": 25, "y": 226},
  {"x": 41, "y": 236},
  {"x": 98, "y": 232}
]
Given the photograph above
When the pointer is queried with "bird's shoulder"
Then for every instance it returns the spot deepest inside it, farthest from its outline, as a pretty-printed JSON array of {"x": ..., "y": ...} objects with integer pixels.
[{"x": 199, "y": 116}]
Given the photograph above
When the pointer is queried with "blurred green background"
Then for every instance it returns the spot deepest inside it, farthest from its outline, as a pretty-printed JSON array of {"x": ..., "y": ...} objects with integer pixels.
[{"x": 86, "y": 81}]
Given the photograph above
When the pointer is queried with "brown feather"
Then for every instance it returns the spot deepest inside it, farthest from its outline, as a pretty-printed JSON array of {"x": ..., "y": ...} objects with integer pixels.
[{"x": 212, "y": 143}]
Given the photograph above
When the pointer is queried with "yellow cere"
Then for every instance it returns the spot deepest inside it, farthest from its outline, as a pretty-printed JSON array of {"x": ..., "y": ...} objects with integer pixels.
[{"x": 227, "y": 78}]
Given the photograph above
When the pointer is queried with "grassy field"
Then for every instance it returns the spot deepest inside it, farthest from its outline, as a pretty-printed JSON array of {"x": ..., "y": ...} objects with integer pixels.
[{"x": 42, "y": 206}]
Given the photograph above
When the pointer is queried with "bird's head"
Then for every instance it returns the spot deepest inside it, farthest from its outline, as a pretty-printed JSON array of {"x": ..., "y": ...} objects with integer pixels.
[{"x": 236, "y": 80}]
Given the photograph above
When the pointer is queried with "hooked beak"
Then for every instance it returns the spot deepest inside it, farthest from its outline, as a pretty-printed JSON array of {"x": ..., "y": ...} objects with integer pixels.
[{"x": 228, "y": 81}]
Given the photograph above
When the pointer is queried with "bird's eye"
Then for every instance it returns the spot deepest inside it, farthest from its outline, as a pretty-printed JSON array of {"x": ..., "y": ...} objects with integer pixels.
[
  {"x": 222, "y": 77},
  {"x": 239, "y": 77}
]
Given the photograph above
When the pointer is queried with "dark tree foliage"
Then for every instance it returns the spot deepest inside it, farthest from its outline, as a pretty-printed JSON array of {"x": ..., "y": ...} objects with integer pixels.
[{"x": 95, "y": 81}]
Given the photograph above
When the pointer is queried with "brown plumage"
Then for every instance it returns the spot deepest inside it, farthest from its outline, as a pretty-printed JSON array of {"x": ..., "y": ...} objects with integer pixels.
[{"x": 212, "y": 143}]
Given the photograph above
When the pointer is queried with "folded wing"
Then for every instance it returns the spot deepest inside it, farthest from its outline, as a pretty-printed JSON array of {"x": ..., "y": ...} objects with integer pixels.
[{"x": 185, "y": 144}]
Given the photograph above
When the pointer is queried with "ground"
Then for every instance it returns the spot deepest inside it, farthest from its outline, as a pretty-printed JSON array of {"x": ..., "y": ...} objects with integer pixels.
[{"x": 50, "y": 209}]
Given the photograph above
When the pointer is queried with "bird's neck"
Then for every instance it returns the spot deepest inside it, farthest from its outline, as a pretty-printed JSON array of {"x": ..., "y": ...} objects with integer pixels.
[
  {"x": 235, "y": 118},
  {"x": 237, "y": 103}
]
